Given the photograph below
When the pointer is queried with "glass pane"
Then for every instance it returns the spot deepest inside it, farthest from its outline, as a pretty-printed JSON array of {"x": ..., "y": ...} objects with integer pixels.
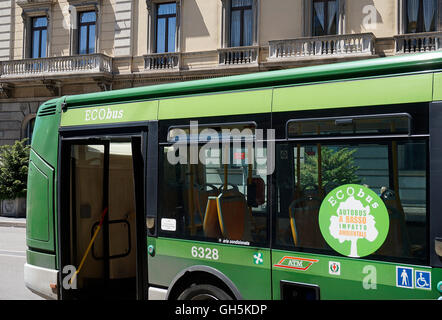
[
  {"x": 241, "y": 3},
  {"x": 429, "y": 14},
  {"x": 235, "y": 31},
  {"x": 161, "y": 35},
  {"x": 82, "y": 41},
  {"x": 171, "y": 35},
  {"x": 412, "y": 15},
  {"x": 221, "y": 198},
  {"x": 331, "y": 17},
  {"x": 43, "y": 43},
  {"x": 307, "y": 174},
  {"x": 378, "y": 125},
  {"x": 36, "y": 44},
  {"x": 91, "y": 39},
  {"x": 40, "y": 22},
  {"x": 248, "y": 28},
  {"x": 88, "y": 17},
  {"x": 319, "y": 18},
  {"x": 168, "y": 8},
  {"x": 87, "y": 167}
]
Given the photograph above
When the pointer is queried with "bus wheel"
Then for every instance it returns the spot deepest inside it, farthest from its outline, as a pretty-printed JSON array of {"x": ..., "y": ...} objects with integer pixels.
[{"x": 204, "y": 292}]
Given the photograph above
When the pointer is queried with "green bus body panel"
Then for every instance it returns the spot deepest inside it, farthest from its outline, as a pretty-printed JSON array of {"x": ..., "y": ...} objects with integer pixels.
[
  {"x": 336, "y": 71},
  {"x": 381, "y": 91},
  {"x": 358, "y": 278},
  {"x": 40, "y": 259},
  {"x": 246, "y": 102},
  {"x": 39, "y": 205},
  {"x": 437, "y": 87},
  {"x": 174, "y": 255},
  {"x": 118, "y": 113},
  {"x": 45, "y": 136}
]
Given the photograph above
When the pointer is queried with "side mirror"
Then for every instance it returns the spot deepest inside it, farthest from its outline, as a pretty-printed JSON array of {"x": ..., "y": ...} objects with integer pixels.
[{"x": 438, "y": 246}]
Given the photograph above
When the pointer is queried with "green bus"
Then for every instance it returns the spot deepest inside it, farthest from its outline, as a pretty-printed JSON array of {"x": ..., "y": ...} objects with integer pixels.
[{"x": 319, "y": 182}]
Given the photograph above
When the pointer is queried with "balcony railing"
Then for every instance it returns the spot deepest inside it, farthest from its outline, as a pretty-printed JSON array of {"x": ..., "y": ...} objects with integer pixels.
[
  {"x": 238, "y": 55},
  {"x": 65, "y": 65},
  {"x": 323, "y": 46},
  {"x": 162, "y": 61},
  {"x": 418, "y": 42}
]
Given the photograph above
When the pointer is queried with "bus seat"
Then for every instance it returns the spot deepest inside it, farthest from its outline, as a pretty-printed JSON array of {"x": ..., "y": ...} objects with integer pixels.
[
  {"x": 232, "y": 208},
  {"x": 293, "y": 226},
  {"x": 304, "y": 224},
  {"x": 211, "y": 224},
  {"x": 201, "y": 195},
  {"x": 397, "y": 242}
]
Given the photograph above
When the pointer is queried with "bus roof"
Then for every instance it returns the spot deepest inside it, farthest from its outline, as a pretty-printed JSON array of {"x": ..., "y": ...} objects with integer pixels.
[{"x": 343, "y": 70}]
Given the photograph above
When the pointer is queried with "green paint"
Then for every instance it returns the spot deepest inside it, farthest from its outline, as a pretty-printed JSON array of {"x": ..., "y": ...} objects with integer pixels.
[
  {"x": 382, "y": 91},
  {"x": 437, "y": 87},
  {"x": 357, "y": 279},
  {"x": 119, "y": 113},
  {"x": 174, "y": 255},
  {"x": 353, "y": 220},
  {"x": 39, "y": 205},
  {"x": 248, "y": 102},
  {"x": 336, "y": 71},
  {"x": 41, "y": 259}
]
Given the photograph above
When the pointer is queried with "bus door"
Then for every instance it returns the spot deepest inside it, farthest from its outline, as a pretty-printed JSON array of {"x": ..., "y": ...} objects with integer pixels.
[{"x": 102, "y": 237}]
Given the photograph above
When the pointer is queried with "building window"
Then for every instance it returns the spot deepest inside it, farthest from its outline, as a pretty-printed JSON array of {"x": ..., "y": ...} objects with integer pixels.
[
  {"x": 39, "y": 34},
  {"x": 166, "y": 27},
  {"x": 86, "y": 32},
  {"x": 420, "y": 16},
  {"x": 241, "y": 23},
  {"x": 325, "y": 17}
]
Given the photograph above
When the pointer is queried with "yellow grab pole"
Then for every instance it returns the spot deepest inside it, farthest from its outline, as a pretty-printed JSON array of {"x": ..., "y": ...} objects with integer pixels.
[{"x": 90, "y": 245}]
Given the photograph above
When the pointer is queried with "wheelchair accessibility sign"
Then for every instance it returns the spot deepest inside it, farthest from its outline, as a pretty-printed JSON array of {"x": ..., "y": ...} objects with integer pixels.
[
  {"x": 422, "y": 279},
  {"x": 413, "y": 279}
]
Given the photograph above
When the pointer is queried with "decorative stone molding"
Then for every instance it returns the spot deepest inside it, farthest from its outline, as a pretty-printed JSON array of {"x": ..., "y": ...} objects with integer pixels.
[
  {"x": 103, "y": 84},
  {"x": 5, "y": 90},
  {"x": 54, "y": 87}
]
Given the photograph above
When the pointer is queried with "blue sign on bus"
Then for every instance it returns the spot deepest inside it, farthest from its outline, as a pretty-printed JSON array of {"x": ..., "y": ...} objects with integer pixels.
[{"x": 404, "y": 277}]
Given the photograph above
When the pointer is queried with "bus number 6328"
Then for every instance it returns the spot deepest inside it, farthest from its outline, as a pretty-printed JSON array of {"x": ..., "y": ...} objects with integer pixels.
[{"x": 205, "y": 253}]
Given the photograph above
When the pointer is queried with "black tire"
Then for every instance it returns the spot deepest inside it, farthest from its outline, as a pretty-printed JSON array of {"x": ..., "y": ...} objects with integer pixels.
[{"x": 204, "y": 292}]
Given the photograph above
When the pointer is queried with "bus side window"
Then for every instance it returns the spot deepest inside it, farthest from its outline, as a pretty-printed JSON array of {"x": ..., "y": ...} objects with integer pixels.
[
  {"x": 395, "y": 170},
  {"x": 213, "y": 200}
]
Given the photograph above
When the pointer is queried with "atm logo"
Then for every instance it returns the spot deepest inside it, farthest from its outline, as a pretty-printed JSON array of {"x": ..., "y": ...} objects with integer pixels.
[{"x": 302, "y": 264}]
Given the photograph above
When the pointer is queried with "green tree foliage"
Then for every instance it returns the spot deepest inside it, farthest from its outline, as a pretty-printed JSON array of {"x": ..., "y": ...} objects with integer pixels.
[
  {"x": 338, "y": 168},
  {"x": 14, "y": 161}
]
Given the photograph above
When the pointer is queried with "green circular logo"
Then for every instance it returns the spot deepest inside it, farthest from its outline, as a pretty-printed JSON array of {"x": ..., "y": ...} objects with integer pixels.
[{"x": 353, "y": 220}]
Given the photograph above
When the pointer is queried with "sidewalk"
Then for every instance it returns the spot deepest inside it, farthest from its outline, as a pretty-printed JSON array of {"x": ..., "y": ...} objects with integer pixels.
[{"x": 12, "y": 222}]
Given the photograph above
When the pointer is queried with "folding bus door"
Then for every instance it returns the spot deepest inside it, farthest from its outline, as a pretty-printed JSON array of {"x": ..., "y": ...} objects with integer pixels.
[{"x": 103, "y": 223}]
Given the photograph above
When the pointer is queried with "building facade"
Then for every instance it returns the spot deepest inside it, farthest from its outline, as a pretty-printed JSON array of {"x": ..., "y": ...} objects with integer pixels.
[{"x": 51, "y": 48}]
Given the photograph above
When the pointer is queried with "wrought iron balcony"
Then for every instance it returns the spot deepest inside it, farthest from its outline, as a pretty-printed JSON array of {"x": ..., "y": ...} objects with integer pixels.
[
  {"x": 322, "y": 47},
  {"x": 418, "y": 42},
  {"x": 64, "y": 66}
]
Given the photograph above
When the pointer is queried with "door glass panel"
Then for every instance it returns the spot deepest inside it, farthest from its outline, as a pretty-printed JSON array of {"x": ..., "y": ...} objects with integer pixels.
[{"x": 87, "y": 168}]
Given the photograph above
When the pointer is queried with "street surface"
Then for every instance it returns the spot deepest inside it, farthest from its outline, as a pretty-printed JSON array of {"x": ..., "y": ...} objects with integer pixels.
[{"x": 12, "y": 259}]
